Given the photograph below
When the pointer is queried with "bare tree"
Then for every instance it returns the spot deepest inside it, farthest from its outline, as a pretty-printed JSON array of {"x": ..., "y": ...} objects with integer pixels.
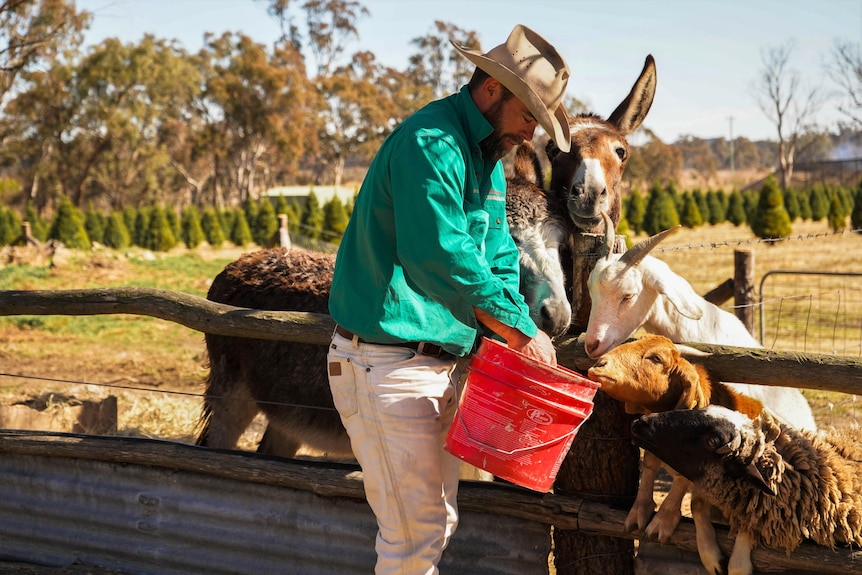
[
  {"x": 789, "y": 106},
  {"x": 845, "y": 69}
]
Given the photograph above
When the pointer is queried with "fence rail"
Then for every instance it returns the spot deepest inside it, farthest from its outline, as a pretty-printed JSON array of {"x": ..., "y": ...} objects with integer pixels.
[{"x": 565, "y": 512}]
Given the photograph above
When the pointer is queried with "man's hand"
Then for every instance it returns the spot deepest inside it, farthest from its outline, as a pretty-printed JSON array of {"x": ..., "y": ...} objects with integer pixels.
[{"x": 540, "y": 347}]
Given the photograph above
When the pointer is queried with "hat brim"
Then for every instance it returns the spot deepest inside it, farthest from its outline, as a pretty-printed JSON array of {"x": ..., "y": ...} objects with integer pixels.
[{"x": 556, "y": 124}]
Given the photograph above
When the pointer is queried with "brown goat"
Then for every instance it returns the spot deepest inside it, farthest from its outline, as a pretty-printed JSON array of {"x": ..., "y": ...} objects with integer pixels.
[{"x": 649, "y": 375}]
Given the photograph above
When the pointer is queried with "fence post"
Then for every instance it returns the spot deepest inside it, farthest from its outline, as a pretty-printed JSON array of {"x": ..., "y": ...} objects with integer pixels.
[
  {"x": 743, "y": 287},
  {"x": 283, "y": 235}
]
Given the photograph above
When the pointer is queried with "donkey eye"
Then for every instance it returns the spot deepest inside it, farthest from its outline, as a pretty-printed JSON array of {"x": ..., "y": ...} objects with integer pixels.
[{"x": 621, "y": 153}]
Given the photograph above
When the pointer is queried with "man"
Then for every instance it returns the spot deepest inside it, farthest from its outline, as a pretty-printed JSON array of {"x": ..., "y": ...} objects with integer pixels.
[{"x": 427, "y": 265}]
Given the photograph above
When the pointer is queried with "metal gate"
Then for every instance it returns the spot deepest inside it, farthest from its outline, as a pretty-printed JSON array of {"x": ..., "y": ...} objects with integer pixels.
[{"x": 813, "y": 312}]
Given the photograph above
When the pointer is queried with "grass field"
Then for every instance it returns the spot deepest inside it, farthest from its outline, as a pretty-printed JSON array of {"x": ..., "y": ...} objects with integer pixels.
[{"x": 157, "y": 368}]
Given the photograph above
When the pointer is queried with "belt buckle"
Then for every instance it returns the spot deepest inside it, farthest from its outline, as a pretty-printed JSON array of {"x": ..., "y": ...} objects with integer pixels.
[{"x": 421, "y": 349}]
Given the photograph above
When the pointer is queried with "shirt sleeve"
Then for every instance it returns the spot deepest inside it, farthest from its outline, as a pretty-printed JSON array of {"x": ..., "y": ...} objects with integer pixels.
[{"x": 435, "y": 235}]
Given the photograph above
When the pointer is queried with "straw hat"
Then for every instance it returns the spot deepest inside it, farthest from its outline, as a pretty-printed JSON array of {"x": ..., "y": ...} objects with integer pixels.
[{"x": 535, "y": 73}]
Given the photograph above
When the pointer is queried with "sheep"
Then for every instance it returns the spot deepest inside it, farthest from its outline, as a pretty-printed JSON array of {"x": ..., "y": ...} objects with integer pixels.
[
  {"x": 634, "y": 290},
  {"x": 649, "y": 375},
  {"x": 775, "y": 484}
]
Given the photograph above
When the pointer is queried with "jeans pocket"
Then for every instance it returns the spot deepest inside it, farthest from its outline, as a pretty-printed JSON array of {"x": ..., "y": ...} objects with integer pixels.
[{"x": 342, "y": 383}]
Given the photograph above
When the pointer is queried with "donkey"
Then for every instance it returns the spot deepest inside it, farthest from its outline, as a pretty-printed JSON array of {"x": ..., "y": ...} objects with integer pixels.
[
  {"x": 287, "y": 381},
  {"x": 589, "y": 176}
]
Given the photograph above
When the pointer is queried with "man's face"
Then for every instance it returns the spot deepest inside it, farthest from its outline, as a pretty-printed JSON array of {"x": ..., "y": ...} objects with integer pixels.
[{"x": 513, "y": 124}]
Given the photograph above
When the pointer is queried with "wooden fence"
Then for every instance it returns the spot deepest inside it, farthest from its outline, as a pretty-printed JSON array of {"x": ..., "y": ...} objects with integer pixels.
[{"x": 568, "y": 513}]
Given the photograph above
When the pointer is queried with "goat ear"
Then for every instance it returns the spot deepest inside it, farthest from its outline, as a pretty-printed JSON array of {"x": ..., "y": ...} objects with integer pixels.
[
  {"x": 692, "y": 395},
  {"x": 552, "y": 150},
  {"x": 677, "y": 291}
]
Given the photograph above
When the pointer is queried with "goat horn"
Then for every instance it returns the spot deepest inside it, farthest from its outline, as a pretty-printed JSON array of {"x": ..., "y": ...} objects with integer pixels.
[
  {"x": 638, "y": 251},
  {"x": 689, "y": 351},
  {"x": 610, "y": 238}
]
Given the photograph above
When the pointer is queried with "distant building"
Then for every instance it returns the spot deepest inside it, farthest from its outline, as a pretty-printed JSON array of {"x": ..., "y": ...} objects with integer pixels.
[{"x": 324, "y": 193}]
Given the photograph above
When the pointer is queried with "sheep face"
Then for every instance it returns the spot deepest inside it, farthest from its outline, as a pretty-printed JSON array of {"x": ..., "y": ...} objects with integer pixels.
[
  {"x": 649, "y": 375},
  {"x": 706, "y": 444}
]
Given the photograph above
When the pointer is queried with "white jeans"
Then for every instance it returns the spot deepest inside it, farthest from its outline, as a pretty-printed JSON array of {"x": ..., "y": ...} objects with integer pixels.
[{"x": 397, "y": 406}]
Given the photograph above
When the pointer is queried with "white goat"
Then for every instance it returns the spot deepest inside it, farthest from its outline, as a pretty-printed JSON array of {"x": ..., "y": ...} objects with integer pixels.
[{"x": 635, "y": 290}]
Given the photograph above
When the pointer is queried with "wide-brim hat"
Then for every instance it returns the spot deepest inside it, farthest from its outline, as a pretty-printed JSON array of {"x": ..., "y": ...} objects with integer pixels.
[{"x": 535, "y": 73}]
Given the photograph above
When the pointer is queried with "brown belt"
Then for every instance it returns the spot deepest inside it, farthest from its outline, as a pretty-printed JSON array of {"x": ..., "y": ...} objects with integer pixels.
[{"x": 421, "y": 347}]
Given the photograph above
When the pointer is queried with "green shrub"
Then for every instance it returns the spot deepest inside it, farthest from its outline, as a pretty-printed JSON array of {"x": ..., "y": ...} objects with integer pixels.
[
  {"x": 142, "y": 227},
  {"x": 635, "y": 211},
  {"x": 717, "y": 206},
  {"x": 160, "y": 236},
  {"x": 38, "y": 226},
  {"x": 837, "y": 214},
  {"x": 94, "y": 223},
  {"x": 211, "y": 224},
  {"x": 771, "y": 220},
  {"x": 312, "y": 218},
  {"x": 192, "y": 233},
  {"x": 856, "y": 214},
  {"x": 240, "y": 235},
  {"x": 335, "y": 218},
  {"x": 116, "y": 234},
  {"x": 266, "y": 224},
  {"x": 736, "y": 209},
  {"x": 68, "y": 227},
  {"x": 690, "y": 217},
  {"x": 661, "y": 213}
]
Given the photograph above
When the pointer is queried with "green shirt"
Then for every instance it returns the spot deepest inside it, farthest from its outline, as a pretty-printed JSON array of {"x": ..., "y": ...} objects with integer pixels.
[{"x": 428, "y": 237}]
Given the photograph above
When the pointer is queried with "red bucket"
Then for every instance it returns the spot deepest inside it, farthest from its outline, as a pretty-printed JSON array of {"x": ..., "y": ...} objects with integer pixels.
[{"x": 517, "y": 416}]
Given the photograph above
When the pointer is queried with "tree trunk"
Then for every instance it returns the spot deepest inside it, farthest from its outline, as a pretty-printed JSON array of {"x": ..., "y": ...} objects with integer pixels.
[{"x": 602, "y": 465}]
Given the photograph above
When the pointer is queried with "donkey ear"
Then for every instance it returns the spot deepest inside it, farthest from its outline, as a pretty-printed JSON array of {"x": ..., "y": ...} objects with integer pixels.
[
  {"x": 688, "y": 380},
  {"x": 552, "y": 150}
]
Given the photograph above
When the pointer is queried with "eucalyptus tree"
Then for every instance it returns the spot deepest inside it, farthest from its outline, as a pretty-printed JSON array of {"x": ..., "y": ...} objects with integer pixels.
[
  {"x": 34, "y": 32},
  {"x": 258, "y": 110},
  {"x": 436, "y": 64}
]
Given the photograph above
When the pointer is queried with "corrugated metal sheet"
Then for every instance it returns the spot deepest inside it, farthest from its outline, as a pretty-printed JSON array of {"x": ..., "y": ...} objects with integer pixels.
[{"x": 154, "y": 520}]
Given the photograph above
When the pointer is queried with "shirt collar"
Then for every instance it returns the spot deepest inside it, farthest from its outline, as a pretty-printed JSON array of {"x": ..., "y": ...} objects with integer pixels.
[{"x": 478, "y": 128}]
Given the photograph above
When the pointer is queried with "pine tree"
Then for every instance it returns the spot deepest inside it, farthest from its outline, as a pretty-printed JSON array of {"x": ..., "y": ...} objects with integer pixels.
[
  {"x": 8, "y": 234},
  {"x": 837, "y": 215},
  {"x": 68, "y": 227},
  {"x": 856, "y": 214},
  {"x": 174, "y": 222},
  {"x": 717, "y": 208},
  {"x": 623, "y": 229},
  {"x": 771, "y": 220},
  {"x": 160, "y": 236},
  {"x": 38, "y": 226},
  {"x": 116, "y": 234},
  {"x": 635, "y": 211},
  {"x": 804, "y": 197},
  {"x": 690, "y": 217},
  {"x": 251, "y": 209},
  {"x": 130, "y": 217},
  {"x": 211, "y": 224},
  {"x": 736, "y": 209},
  {"x": 192, "y": 233},
  {"x": 226, "y": 217},
  {"x": 312, "y": 218},
  {"x": 702, "y": 205},
  {"x": 660, "y": 212},
  {"x": 791, "y": 204},
  {"x": 240, "y": 235},
  {"x": 819, "y": 203},
  {"x": 95, "y": 223},
  {"x": 142, "y": 227},
  {"x": 266, "y": 225},
  {"x": 335, "y": 218}
]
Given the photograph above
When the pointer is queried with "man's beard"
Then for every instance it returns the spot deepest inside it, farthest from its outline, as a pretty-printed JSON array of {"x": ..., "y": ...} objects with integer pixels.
[{"x": 493, "y": 146}]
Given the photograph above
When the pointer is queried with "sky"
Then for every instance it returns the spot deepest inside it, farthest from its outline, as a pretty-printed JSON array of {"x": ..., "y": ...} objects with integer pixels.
[{"x": 709, "y": 53}]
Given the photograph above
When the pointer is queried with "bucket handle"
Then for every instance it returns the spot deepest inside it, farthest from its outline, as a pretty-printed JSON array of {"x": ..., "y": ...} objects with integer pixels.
[{"x": 513, "y": 451}]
